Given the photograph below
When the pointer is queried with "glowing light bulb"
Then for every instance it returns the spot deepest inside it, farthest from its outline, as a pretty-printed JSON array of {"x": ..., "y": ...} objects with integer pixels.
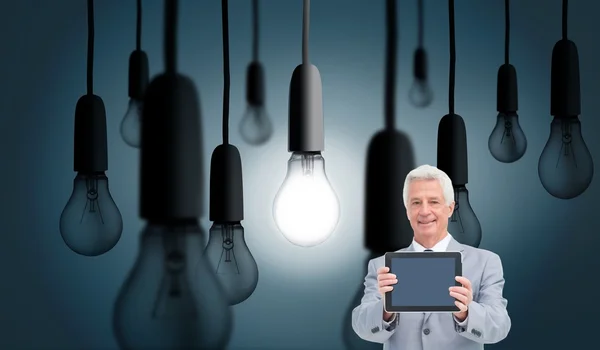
[
  {"x": 131, "y": 123},
  {"x": 565, "y": 167},
  {"x": 507, "y": 142},
  {"x": 171, "y": 299},
  {"x": 306, "y": 208},
  {"x": 256, "y": 127},
  {"x": 232, "y": 261},
  {"x": 420, "y": 94},
  {"x": 463, "y": 224},
  {"x": 91, "y": 224}
]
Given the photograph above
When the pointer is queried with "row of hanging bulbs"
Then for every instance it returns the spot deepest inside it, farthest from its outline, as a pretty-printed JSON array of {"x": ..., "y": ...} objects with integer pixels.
[{"x": 178, "y": 293}]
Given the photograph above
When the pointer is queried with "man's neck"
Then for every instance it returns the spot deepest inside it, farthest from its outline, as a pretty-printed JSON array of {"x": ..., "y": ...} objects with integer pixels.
[{"x": 431, "y": 242}]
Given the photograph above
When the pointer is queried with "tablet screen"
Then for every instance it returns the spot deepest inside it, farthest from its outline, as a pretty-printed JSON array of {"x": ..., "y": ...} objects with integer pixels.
[{"x": 423, "y": 282}]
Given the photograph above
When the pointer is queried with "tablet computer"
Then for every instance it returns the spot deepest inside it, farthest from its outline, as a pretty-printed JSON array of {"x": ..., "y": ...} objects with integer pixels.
[{"x": 423, "y": 281}]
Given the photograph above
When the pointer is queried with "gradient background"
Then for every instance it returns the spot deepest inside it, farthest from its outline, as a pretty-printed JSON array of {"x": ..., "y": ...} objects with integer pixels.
[{"x": 52, "y": 298}]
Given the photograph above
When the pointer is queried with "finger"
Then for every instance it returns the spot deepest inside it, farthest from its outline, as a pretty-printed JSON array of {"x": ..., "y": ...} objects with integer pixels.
[
  {"x": 385, "y": 289},
  {"x": 460, "y": 306},
  {"x": 460, "y": 290},
  {"x": 464, "y": 281},
  {"x": 387, "y": 282},
  {"x": 383, "y": 269},
  {"x": 460, "y": 297},
  {"x": 386, "y": 276}
]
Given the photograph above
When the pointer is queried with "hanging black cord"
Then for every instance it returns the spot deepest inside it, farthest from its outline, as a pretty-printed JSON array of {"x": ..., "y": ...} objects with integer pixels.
[
  {"x": 90, "y": 48},
  {"x": 226, "y": 78},
  {"x": 506, "y": 30},
  {"x": 171, "y": 35},
  {"x": 420, "y": 24},
  {"x": 255, "y": 31},
  {"x": 305, "y": 30},
  {"x": 390, "y": 65},
  {"x": 138, "y": 28},
  {"x": 565, "y": 18},
  {"x": 452, "y": 58}
]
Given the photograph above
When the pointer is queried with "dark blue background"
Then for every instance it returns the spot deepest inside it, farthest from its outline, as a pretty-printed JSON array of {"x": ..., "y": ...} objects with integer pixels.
[
  {"x": 53, "y": 299},
  {"x": 423, "y": 281}
]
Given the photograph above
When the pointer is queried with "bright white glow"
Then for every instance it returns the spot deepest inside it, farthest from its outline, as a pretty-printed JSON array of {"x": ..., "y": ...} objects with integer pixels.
[{"x": 306, "y": 208}]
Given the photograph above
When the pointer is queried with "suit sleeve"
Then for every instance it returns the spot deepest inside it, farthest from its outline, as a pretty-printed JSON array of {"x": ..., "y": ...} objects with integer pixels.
[
  {"x": 488, "y": 321},
  {"x": 367, "y": 318}
]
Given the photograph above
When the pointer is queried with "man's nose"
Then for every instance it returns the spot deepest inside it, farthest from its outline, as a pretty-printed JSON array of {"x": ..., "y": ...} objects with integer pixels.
[{"x": 424, "y": 210}]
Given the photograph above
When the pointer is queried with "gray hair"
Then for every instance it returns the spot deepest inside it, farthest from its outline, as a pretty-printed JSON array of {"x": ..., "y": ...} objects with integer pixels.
[{"x": 428, "y": 172}]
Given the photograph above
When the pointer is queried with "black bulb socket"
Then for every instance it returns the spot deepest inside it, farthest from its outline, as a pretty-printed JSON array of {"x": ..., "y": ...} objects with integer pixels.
[
  {"x": 255, "y": 84},
  {"x": 171, "y": 176},
  {"x": 452, "y": 157},
  {"x": 139, "y": 74},
  {"x": 390, "y": 157},
  {"x": 420, "y": 64},
  {"x": 226, "y": 185},
  {"x": 507, "y": 101},
  {"x": 90, "y": 146},
  {"x": 305, "y": 123},
  {"x": 565, "y": 90}
]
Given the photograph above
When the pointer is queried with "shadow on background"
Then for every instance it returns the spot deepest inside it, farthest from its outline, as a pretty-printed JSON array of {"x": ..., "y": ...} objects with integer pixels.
[{"x": 390, "y": 157}]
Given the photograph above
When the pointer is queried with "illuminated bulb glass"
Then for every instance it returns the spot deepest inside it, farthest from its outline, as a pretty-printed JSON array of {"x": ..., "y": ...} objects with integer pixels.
[
  {"x": 131, "y": 123},
  {"x": 420, "y": 94},
  {"x": 507, "y": 142},
  {"x": 232, "y": 261},
  {"x": 256, "y": 127},
  {"x": 565, "y": 167},
  {"x": 463, "y": 224},
  {"x": 306, "y": 208},
  {"x": 91, "y": 224}
]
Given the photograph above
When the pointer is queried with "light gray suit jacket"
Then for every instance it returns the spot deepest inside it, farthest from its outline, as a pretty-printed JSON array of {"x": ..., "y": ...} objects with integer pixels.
[{"x": 487, "y": 323}]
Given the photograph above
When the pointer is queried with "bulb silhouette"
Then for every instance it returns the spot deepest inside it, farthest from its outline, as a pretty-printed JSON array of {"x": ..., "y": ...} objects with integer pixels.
[
  {"x": 565, "y": 167},
  {"x": 91, "y": 224},
  {"x": 463, "y": 224},
  {"x": 306, "y": 208},
  {"x": 171, "y": 298},
  {"x": 131, "y": 123},
  {"x": 256, "y": 127},
  {"x": 232, "y": 261},
  {"x": 507, "y": 142},
  {"x": 420, "y": 94}
]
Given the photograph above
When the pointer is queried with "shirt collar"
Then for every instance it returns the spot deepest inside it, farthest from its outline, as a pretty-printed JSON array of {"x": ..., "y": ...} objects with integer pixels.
[{"x": 440, "y": 246}]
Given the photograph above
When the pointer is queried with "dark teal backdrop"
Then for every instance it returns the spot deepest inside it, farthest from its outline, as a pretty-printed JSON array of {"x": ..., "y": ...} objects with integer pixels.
[{"x": 51, "y": 298}]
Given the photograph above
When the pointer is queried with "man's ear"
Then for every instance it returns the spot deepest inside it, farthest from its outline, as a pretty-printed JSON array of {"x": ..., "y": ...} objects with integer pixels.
[{"x": 451, "y": 207}]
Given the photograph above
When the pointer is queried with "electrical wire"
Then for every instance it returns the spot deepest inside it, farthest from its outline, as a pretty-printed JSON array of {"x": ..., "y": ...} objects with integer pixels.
[
  {"x": 255, "y": 30},
  {"x": 565, "y": 18},
  {"x": 226, "y": 75},
  {"x": 390, "y": 64},
  {"x": 506, "y": 31},
  {"x": 452, "y": 74},
  {"x": 90, "y": 48},
  {"x": 171, "y": 7},
  {"x": 420, "y": 23},
  {"x": 305, "y": 30},
  {"x": 138, "y": 28}
]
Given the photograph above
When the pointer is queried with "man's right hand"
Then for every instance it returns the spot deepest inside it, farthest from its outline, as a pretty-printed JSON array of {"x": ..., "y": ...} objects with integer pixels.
[{"x": 385, "y": 281}]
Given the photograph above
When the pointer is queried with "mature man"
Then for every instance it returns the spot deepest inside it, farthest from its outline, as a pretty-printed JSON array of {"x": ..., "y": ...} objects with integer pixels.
[{"x": 483, "y": 319}]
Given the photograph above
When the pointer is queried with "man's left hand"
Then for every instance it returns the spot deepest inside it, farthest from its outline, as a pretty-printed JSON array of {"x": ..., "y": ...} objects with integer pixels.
[{"x": 463, "y": 296}]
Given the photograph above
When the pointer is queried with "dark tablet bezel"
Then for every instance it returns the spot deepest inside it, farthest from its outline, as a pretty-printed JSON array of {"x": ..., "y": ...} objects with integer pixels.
[{"x": 411, "y": 255}]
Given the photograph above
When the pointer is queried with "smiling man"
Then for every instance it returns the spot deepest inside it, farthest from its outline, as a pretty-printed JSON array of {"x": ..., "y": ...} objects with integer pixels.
[{"x": 483, "y": 319}]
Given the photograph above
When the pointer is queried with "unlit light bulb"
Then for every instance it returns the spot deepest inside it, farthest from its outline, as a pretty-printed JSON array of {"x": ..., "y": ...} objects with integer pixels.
[
  {"x": 565, "y": 167},
  {"x": 420, "y": 94},
  {"x": 232, "y": 261},
  {"x": 507, "y": 142},
  {"x": 131, "y": 123},
  {"x": 306, "y": 208},
  {"x": 256, "y": 127},
  {"x": 91, "y": 224},
  {"x": 463, "y": 224}
]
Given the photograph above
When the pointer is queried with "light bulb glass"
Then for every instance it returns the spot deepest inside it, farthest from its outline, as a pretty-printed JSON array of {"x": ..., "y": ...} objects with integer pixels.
[
  {"x": 91, "y": 224},
  {"x": 232, "y": 262},
  {"x": 171, "y": 298},
  {"x": 507, "y": 142},
  {"x": 463, "y": 224},
  {"x": 420, "y": 94},
  {"x": 565, "y": 167},
  {"x": 306, "y": 208},
  {"x": 131, "y": 124},
  {"x": 256, "y": 127}
]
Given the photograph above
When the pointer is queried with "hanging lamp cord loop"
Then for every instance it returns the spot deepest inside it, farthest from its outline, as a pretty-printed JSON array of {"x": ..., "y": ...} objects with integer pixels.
[
  {"x": 565, "y": 18},
  {"x": 305, "y": 30},
  {"x": 90, "y": 47},
  {"x": 506, "y": 31},
  {"x": 226, "y": 75},
  {"x": 171, "y": 8},
  {"x": 255, "y": 30},
  {"x": 138, "y": 26},
  {"x": 390, "y": 66},
  {"x": 452, "y": 58}
]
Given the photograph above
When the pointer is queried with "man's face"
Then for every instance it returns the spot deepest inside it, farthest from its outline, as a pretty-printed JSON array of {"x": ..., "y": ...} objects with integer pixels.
[{"x": 426, "y": 208}]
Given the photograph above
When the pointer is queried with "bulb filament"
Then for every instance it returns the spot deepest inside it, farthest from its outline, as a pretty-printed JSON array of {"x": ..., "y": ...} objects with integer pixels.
[
  {"x": 91, "y": 204},
  {"x": 228, "y": 252},
  {"x": 456, "y": 213},
  {"x": 508, "y": 131},
  {"x": 308, "y": 164},
  {"x": 565, "y": 148}
]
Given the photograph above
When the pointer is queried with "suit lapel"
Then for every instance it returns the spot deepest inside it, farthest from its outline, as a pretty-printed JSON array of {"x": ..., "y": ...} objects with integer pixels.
[{"x": 453, "y": 246}]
